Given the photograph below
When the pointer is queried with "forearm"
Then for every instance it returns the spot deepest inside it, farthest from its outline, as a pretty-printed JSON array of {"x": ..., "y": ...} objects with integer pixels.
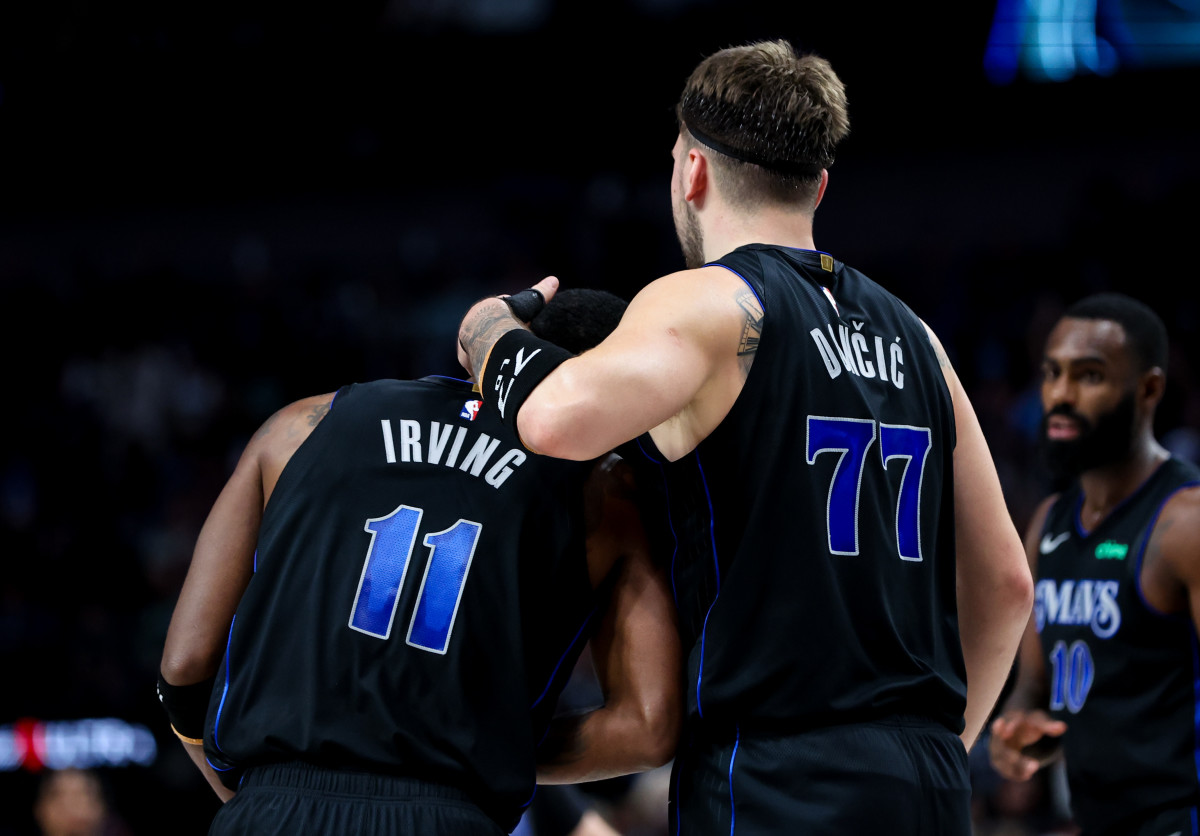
[
  {"x": 196, "y": 753},
  {"x": 990, "y": 636},
  {"x": 485, "y": 323},
  {"x": 604, "y": 743},
  {"x": 588, "y": 406}
]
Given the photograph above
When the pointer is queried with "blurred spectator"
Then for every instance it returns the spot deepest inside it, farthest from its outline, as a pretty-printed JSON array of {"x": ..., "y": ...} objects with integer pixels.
[{"x": 74, "y": 802}]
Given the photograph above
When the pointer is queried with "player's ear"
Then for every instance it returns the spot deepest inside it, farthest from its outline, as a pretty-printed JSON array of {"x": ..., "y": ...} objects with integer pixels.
[
  {"x": 821, "y": 187},
  {"x": 695, "y": 176},
  {"x": 1151, "y": 387}
]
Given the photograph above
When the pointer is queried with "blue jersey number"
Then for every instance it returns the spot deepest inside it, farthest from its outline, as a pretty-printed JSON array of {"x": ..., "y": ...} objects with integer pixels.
[
  {"x": 1072, "y": 677},
  {"x": 392, "y": 541},
  {"x": 851, "y": 438}
]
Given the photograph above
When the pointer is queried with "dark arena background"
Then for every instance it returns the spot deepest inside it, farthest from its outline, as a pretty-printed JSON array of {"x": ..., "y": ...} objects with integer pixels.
[{"x": 209, "y": 210}]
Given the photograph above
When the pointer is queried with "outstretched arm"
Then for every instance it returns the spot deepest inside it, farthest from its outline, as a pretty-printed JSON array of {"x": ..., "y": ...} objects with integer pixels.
[
  {"x": 672, "y": 365},
  {"x": 995, "y": 588},
  {"x": 636, "y": 653}
]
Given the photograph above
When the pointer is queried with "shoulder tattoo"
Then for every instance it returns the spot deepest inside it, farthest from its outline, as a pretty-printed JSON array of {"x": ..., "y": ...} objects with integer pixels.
[
  {"x": 318, "y": 412},
  {"x": 942, "y": 359},
  {"x": 266, "y": 426},
  {"x": 752, "y": 328}
]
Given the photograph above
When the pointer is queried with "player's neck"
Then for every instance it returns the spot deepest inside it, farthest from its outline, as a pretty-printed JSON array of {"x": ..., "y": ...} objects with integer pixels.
[
  {"x": 782, "y": 229},
  {"x": 1106, "y": 487}
]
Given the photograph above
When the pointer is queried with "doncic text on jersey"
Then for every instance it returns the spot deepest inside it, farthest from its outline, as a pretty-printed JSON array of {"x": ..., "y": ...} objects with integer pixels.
[
  {"x": 850, "y": 350},
  {"x": 445, "y": 446}
]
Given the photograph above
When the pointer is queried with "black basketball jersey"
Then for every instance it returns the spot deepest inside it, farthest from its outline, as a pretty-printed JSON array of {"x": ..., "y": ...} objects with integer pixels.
[
  {"x": 419, "y": 598},
  {"x": 1122, "y": 675},
  {"x": 814, "y": 565}
]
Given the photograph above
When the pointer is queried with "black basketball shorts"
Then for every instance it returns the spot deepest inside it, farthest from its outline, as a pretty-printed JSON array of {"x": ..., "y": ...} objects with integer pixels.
[
  {"x": 902, "y": 777},
  {"x": 290, "y": 799}
]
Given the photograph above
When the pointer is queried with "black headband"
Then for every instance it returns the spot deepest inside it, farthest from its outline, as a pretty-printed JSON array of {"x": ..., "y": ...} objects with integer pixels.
[{"x": 782, "y": 166}]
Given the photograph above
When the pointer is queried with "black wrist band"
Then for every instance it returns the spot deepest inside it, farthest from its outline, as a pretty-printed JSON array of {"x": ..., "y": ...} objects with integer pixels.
[
  {"x": 526, "y": 305},
  {"x": 519, "y": 361},
  {"x": 186, "y": 705}
]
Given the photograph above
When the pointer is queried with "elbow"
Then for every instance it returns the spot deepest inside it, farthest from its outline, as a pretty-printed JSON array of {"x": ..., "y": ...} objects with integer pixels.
[
  {"x": 663, "y": 750},
  {"x": 544, "y": 430},
  {"x": 182, "y": 667},
  {"x": 538, "y": 433},
  {"x": 661, "y": 725},
  {"x": 1018, "y": 590},
  {"x": 1023, "y": 587}
]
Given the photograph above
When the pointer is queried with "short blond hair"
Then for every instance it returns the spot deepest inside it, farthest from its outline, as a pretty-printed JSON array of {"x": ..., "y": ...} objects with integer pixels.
[{"x": 774, "y": 118}]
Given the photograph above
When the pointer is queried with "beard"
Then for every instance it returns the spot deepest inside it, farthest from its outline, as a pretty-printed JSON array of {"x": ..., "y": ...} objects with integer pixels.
[
  {"x": 1107, "y": 441},
  {"x": 691, "y": 238}
]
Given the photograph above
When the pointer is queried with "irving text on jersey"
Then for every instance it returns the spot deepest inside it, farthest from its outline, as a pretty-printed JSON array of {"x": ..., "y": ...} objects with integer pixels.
[{"x": 446, "y": 445}]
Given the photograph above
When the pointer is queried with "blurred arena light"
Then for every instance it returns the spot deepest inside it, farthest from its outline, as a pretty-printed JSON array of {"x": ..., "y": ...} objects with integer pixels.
[
  {"x": 33, "y": 744},
  {"x": 1057, "y": 40}
]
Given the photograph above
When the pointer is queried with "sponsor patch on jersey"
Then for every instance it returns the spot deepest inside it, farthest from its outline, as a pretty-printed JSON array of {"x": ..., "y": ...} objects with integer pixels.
[
  {"x": 1111, "y": 550},
  {"x": 470, "y": 410}
]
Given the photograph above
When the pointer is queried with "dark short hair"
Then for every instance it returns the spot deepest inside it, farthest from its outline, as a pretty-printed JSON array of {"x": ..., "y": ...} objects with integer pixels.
[
  {"x": 578, "y": 318},
  {"x": 1144, "y": 329}
]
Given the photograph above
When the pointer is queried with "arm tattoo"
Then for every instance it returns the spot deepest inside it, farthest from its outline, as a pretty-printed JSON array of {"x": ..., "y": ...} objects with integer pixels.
[
  {"x": 942, "y": 359},
  {"x": 318, "y": 412},
  {"x": 267, "y": 426},
  {"x": 752, "y": 330},
  {"x": 482, "y": 328}
]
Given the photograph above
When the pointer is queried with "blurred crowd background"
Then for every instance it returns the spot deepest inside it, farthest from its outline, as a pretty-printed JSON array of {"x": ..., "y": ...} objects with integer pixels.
[{"x": 210, "y": 210}]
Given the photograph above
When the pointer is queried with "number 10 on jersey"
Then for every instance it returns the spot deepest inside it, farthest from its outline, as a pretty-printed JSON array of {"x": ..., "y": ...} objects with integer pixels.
[{"x": 389, "y": 555}]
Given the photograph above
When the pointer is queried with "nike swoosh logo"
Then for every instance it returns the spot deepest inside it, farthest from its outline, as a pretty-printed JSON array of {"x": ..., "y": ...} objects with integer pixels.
[{"x": 1049, "y": 543}]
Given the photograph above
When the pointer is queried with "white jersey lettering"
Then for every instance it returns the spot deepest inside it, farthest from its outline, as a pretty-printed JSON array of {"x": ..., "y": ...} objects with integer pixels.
[{"x": 480, "y": 449}]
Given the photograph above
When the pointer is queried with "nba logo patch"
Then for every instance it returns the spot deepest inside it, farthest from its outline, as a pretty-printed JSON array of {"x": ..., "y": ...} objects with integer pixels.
[{"x": 470, "y": 410}]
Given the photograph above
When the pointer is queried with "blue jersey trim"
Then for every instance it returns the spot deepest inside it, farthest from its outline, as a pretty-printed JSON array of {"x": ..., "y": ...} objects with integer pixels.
[
  {"x": 1077, "y": 517},
  {"x": 638, "y": 442},
  {"x": 743, "y": 278},
  {"x": 215, "y": 767},
  {"x": 1141, "y": 555},
  {"x": 732, "y": 810},
  {"x": 1136, "y": 491},
  {"x": 562, "y": 658},
  {"x": 678, "y": 772},
  {"x": 712, "y": 522},
  {"x": 716, "y": 566},
  {"x": 700, "y": 670},
  {"x": 448, "y": 377},
  {"x": 670, "y": 519},
  {"x": 225, "y": 690},
  {"x": 1195, "y": 715}
]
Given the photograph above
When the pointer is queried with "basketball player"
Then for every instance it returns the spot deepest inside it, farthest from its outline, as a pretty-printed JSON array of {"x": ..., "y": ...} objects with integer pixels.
[
  {"x": 851, "y": 588},
  {"x": 386, "y": 600},
  {"x": 1108, "y": 666}
]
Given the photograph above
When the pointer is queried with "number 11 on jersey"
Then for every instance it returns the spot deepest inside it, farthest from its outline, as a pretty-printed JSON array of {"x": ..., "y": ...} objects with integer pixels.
[{"x": 389, "y": 554}]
